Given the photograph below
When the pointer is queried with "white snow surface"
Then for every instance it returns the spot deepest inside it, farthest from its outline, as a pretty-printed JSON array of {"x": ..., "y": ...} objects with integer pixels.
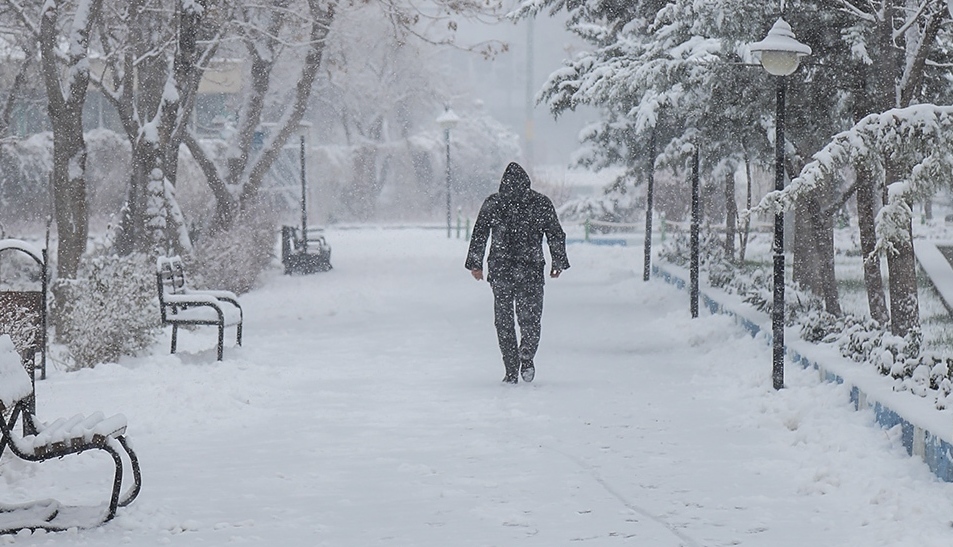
[
  {"x": 366, "y": 408},
  {"x": 14, "y": 380}
]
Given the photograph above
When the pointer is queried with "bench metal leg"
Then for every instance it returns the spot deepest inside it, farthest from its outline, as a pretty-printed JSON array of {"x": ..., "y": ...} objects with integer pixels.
[
  {"x": 49, "y": 515},
  {"x": 221, "y": 341},
  {"x": 175, "y": 333},
  {"x": 238, "y": 337},
  {"x": 133, "y": 491},
  {"x": 117, "y": 483}
]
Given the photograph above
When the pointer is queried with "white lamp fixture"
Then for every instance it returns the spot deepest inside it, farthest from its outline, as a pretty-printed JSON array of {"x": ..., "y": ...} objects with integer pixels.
[
  {"x": 780, "y": 51},
  {"x": 448, "y": 120}
]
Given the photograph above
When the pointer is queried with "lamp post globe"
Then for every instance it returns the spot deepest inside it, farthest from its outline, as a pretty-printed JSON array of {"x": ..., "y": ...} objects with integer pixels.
[
  {"x": 780, "y": 54},
  {"x": 780, "y": 51},
  {"x": 448, "y": 120}
]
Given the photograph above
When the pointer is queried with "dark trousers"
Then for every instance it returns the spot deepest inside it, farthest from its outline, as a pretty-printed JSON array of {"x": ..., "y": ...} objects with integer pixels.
[{"x": 527, "y": 301}]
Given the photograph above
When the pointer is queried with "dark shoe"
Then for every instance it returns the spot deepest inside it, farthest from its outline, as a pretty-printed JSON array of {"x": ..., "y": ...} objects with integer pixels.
[
  {"x": 510, "y": 379},
  {"x": 528, "y": 371}
]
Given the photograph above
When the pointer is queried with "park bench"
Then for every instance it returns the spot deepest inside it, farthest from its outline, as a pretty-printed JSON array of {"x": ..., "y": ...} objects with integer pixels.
[
  {"x": 307, "y": 254},
  {"x": 41, "y": 442},
  {"x": 181, "y": 305}
]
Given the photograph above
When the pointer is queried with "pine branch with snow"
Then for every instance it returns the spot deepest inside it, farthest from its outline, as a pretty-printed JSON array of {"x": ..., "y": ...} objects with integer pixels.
[{"x": 912, "y": 141}]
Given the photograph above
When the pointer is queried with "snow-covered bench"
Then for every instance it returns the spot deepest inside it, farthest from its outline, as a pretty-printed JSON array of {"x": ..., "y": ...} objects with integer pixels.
[
  {"x": 41, "y": 442},
  {"x": 180, "y": 305}
]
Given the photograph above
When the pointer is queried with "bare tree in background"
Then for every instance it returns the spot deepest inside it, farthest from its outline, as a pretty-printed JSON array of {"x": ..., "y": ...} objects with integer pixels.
[
  {"x": 155, "y": 52},
  {"x": 19, "y": 42},
  {"x": 273, "y": 32},
  {"x": 266, "y": 32},
  {"x": 66, "y": 78}
]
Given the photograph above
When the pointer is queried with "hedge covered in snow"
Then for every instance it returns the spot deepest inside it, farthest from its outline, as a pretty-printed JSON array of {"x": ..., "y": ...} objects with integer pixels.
[{"x": 861, "y": 339}]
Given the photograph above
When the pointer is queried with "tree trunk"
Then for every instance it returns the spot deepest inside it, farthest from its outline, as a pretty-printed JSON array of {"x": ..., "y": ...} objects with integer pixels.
[
  {"x": 226, "y": 206},
  {"x": 902, "y": 267},
  {"x": 133, "y": 236},
  {"x": 904, "y": 306},
  {"x": 814, "y": 244},
  {"x": 822, "y": 224},
  {"x": 321, "y": 19},
  {"x": 805, "y": 259},
  {"x": 748, "y": 198},
  {"x": 69, "y": 192},
  {"x": 866, "y": 215},
  {"x": 731, "y": 216},
  {"x": 65, "y": 108}
]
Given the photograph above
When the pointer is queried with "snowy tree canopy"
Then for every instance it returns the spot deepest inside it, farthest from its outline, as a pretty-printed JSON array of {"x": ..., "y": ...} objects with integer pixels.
[
  {"x": 916, "y": 140},
  {"x": 685, "y": 65}
]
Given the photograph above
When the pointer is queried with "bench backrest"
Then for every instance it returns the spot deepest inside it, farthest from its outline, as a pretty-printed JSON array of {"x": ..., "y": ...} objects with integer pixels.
[{"x": 170, "y": 274}]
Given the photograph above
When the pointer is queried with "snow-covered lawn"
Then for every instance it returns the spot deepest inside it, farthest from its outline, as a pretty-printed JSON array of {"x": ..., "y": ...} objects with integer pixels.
[{"x": 366, "y": 409}]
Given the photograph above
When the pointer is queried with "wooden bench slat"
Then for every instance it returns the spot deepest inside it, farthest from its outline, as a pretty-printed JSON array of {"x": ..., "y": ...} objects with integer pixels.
[{"x": 76, "y": 431}]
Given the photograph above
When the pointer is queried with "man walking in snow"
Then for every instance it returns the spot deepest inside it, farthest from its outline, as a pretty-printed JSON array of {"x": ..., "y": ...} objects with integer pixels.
[{"x": 515, "y": 220}]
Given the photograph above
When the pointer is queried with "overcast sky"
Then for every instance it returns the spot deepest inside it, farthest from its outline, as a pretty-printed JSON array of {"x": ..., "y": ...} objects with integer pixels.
[{"x": 501, "y": 83}]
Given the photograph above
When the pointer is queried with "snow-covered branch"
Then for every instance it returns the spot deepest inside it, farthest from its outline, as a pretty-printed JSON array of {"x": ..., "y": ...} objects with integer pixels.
[{"x": 914, "y": 141}]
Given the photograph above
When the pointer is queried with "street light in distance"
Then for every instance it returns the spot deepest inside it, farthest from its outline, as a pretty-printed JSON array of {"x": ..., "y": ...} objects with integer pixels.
[{"x": 448, "y": 120}]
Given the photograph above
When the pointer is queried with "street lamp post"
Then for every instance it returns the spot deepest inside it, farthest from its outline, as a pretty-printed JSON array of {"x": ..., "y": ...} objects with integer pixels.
[
  {"x": 696, "y": 224},
  {"x": 780, "y": 55},
  {"x": 448, "y": 120},
  {"x": 649, "y": 204},
  {"x": 305, "y": 129}
]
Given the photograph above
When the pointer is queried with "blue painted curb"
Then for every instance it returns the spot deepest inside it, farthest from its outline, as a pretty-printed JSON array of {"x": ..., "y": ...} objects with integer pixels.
[{"x": 935, "y": 452}]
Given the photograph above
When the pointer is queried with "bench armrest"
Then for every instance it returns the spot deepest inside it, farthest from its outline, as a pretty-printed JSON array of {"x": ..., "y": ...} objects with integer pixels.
[
  {"x": 191, "y": 299},
  {"x": 227, "y": 296}
]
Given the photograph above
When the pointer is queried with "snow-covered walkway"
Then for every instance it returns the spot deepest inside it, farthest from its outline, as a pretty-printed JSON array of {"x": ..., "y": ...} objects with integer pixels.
[{"x": 366, "y": 409}]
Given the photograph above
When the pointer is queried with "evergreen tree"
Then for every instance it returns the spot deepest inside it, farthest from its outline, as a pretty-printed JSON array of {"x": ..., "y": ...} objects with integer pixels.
[{"x": 686, "y": 63}]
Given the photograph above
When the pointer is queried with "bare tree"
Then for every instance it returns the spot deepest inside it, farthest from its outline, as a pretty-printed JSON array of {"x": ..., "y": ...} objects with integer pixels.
[
  {"x": 266, "y": 31},
  {"x": 155, "y": 52},
  {"x": 66, "y": 78},
  {"x": 24, "y": 67},
  {"x": 270, "y": 33}
]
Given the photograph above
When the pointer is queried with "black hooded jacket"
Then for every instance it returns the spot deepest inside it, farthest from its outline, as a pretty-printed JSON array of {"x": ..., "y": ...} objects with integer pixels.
[{"x": 517, "y": 217}]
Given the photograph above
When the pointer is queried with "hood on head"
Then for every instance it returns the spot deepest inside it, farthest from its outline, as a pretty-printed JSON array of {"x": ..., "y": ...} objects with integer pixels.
[{"x": 515, "y": 181}]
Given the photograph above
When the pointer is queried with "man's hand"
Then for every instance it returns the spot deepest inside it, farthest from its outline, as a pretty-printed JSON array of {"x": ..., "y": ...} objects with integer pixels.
[
  {"x": 554, "y": 273},
  {"x": 477, "y": 274}
]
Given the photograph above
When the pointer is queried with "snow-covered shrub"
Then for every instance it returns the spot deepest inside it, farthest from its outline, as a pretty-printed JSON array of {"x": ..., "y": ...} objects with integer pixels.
[
  {"x": 20, "y": 324},
  {"x": 109, "y": 310},
  {"x": 753, "y": 285},
  {"x": 19, "y": 272},
  {"x": 234, "y": 259},
  {"x": 618, "y": 203},
  {"x": 860, "y": 339}
]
